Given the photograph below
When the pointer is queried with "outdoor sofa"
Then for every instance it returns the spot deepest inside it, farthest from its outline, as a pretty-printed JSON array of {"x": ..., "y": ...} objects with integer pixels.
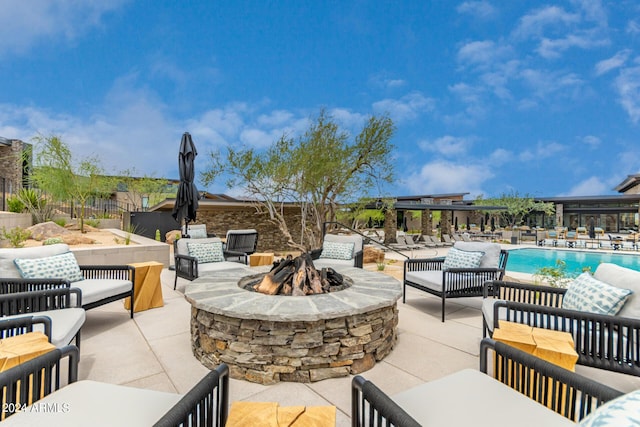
[
  {"x": 512, "y": 388},
  {"x": 60, "y": 399},
  {"x": 54, "y": 266},
  {"x": 602, "y": 340},
  {"x": 461, "y": 273},
  {"x": 196, "y": 256}
]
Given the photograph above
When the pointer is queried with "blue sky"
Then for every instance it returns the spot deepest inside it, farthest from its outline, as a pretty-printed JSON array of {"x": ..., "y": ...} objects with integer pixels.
[{"x": 488, "y": 96}]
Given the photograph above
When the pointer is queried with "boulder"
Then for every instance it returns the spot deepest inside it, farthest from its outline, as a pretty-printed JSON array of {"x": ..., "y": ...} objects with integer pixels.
[
  {"x": 45, "y": 230},
  {"x": 170, "y": 236},
  {"x": 372, "y": 255}
]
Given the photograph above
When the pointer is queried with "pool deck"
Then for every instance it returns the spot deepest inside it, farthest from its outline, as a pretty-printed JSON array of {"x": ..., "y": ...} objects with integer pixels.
[{"x": 153, "y": 351}]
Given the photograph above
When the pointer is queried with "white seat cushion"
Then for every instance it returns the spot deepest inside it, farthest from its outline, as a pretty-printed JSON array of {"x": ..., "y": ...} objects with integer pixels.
[
  {"x": 65, "y": 323},
  {"x": 428, "y": 279},
  {"x": 217, "y": 266},
  {"x": 321, "y": 263},
  {"x": 97, "y": 289}
]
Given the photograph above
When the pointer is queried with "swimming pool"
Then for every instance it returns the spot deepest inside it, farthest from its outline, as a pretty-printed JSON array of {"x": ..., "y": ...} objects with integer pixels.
[{"x": 531, "y": 260}]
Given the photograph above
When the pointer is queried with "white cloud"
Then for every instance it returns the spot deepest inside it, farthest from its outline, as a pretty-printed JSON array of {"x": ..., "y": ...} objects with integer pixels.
[
  {"x": 627, "y": 85},
  {"x": 447, "y": 145},
  {"x": 588, "y": 187},
  {"x": 542, "y": 150},
  {"x": 477, "y": 9},
  {"x": 591, "y": 141},
  {"x": 543, "y": 82},
  {"x": 616, "y": 61},
  {"x": 406, "y": 108},
  {"x": 500, "y": 157},
  {"x": 381, "y": 80},
  {"x": 448, "y": 177},
  {"x": 553, "y": 48},
  {"x": 633, "y": 27},
  {"x": 25, "y": 23},
  {"x": 535, "y": 23},
  {"x": 483, "y": 53}
]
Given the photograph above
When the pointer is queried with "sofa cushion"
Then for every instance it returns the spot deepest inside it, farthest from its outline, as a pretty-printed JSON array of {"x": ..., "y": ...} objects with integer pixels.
[
  {"x": 431, "y": 279},
  {"x": 586, "y": 293},
  {"x": 622, "y": 411},
  {"x": 624, "y": 278},
  {"x": 206, "y": 252},
  {"x": 8, "y": 269},
  {"x": 321, "y": 263},
  {"x": 62, "y": 266},
  {"x": 97, "y": 289},
  {"x": 337, "y": 250},
  {"x": 457, "y": 258},
  {"x": 65, "y": 323},
  {"x": 491, "y": 258},
  {"x": 218, "y": 266}
]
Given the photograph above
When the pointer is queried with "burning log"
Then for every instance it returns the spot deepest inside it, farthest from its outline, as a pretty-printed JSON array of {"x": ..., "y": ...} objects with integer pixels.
[{"x": 298, "y": 276}]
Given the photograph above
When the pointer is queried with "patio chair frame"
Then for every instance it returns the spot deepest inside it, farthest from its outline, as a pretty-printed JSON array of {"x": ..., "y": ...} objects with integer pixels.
[
  {"x": 601, "y": 341},
  {"x": 456, "y": 282}
]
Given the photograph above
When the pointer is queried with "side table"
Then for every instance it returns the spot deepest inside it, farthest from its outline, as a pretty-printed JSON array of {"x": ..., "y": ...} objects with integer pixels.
[
  {"x": 261, "y": 258},
  {"x": 147, "y": 291},
  {"x": 20, "y": 348}
]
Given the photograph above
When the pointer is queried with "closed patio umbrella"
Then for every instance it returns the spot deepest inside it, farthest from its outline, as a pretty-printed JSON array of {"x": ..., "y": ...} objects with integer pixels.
[
  {"x": 482, "y": 225},
  {"x": 455, "y": 224},
  {"x": 493, "y": 224},
  {"x": 186, "y": 203}
]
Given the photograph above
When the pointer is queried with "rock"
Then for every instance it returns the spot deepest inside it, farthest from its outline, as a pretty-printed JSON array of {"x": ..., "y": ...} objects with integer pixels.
[
  {"x": 170, "y": 236},
  {"x": 74, "y": 239},
  {"x": 364, "y": 364},
  {"x": 45, "y": 230},
  {"x": 372, "y": 255}
]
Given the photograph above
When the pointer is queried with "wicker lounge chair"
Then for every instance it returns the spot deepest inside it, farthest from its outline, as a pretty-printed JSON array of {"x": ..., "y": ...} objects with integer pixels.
[
  {"x": 602, "y": 341},
  {"x": 241, "y": 241},
  {"x": 530, "y": 385},
  {"x": 432, "y": 275}
]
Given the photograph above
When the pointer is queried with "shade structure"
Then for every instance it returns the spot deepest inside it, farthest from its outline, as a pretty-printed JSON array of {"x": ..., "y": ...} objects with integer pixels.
[{"x": 187, "y": 197}]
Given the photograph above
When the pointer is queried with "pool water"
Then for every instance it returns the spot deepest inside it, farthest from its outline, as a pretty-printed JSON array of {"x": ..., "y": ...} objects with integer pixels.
[{"x": 531, "y": 260}]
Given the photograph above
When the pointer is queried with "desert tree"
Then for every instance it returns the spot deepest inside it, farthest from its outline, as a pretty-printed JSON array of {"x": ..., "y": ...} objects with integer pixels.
[
  {"x": 62, "y": 177},
  {"x": 516, "y": 207},
  {"x": 320, "y": 171}
]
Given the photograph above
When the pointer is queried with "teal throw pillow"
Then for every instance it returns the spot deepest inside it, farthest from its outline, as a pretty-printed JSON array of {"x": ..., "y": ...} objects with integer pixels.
[
  {"x": 62, "y": 266},
  {"x": 337, "y": 250},
  {"x": 457, "y": 258},
  {"x": 206, "y": 252},
  {"x": 586, "y": 293}
]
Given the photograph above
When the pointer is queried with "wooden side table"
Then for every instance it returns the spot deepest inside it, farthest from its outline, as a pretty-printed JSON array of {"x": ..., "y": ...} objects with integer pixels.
[
  {"x": 260, "y": 258},
  {"x": 20, "y": 348},
  {"x": 147, "y": 291}
]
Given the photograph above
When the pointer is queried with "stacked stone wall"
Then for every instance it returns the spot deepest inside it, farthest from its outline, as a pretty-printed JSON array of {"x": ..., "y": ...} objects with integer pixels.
[{"x": 267, "y": 352}]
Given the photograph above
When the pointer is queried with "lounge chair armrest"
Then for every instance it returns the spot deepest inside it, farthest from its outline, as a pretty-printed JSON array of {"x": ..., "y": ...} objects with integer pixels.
[
  {"x": 35, "y": 301},
  {"x": 122, "y": 272},
  {"x": 370, "y": 404},
  {"x": 358, "y": 259},
  {"x": 186, "y": 266},
  {"x": 10, "y": 285},
  {"x": 527, "y": 372},
  {"x": 235, "y": 254},
  {"x": 22, "y": 325},
  {"x": 424, "y": 264},
  {"x": 37, "y": 377},
  {"x": 206, "y": 402},
  {"x": 524, "y": 292}
]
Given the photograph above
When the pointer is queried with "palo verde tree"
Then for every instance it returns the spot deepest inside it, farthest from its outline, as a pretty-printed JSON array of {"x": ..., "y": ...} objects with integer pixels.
[
  {"x": 319, "y": 171},
  {"x": 62, "y": 178},
  {"x": 517, "y": 207},
  {"x": 138, "y": 188}
]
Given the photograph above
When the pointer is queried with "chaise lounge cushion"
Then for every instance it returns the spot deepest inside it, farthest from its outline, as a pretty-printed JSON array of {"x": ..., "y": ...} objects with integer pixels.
[
  {"x": 8, "y": 269},
  {"x": 624, "y": 278},
  {"x": 65, "y": 323}
]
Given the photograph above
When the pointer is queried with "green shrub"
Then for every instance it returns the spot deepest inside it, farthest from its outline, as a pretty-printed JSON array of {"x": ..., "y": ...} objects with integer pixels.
[
  {"x": 557, "y": 276},
  {"x": 16, "y": 236},
  {"x": 53, "y": 241},
  {"x": 15, "y": 205},
  {"x": 60, "y": 221},
  {"x": 157, "y": 234},
  {"x": 95, "y": 223}
]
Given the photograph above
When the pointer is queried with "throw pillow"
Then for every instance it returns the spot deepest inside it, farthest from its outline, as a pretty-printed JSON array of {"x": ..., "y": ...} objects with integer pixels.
[
  {"x": 206, "y": 252},
  {"x": 457, "y": 258},
  {"x": 62, "y": 266},
  {"x": 198, "y": 233},
  {"x": 337, "y": 250},
  {"x": 622, "y": 411},
  {"x": 586, "y": 293}
]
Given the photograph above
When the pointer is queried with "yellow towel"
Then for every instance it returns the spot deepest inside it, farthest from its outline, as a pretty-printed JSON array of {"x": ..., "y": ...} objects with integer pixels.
[
  {"x": 287, "y": 415},
  {"x": 317, "y": 416}
]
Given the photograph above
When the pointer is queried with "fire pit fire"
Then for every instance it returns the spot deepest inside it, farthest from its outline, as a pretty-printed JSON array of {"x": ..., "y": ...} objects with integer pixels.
[{"x": 297, "y": 277}]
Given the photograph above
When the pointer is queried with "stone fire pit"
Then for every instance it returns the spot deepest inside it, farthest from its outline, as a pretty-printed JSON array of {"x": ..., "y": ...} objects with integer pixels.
[{"x": 272, "y": 338}]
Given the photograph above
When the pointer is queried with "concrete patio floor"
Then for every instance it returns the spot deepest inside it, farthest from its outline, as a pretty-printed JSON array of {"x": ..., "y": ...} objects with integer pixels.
[{"x": 153, "y": 351}]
